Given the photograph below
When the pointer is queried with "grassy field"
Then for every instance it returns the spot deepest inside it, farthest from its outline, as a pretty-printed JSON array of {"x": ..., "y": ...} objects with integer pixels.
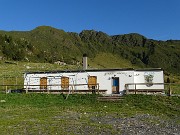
[
  {"x": 79, "y": 114},
  {"x": 52, "y": 114}
]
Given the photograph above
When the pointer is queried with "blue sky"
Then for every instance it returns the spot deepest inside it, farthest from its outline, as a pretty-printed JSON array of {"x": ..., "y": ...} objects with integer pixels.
[{"x": 155, "y": 19}]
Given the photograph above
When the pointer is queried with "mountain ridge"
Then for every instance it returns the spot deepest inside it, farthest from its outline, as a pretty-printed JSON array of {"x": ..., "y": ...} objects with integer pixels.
[{"x": 48, "y": 44}]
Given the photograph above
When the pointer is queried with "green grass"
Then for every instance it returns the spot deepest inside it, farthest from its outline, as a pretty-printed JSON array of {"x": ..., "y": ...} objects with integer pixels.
[
  {"x": 16, "y": 70},
  {"x": 10, "y": 71},
  {"x": 52, "y": 114},
  {"x": 108, "y": 60},
  {"x": 175, "y": 88}
]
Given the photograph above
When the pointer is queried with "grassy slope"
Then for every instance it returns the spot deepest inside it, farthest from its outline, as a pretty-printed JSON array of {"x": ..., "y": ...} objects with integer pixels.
[
  {"x": 51, "y": 114},
  {"x": 10, "y": 71},
  {"x": 108, "y": 60},
  {"x": 17, "y": 68},
  {"x": 102, "y": 60}
]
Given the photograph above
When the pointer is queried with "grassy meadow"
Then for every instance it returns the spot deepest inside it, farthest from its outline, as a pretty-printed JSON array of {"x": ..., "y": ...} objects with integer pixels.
[{"x": 79, "y": 114}]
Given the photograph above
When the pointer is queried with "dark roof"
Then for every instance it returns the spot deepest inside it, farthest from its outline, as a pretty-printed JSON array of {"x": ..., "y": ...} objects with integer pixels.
[
  {"x": 94, "y": 70},
  {"x": 149, "y": 69}
]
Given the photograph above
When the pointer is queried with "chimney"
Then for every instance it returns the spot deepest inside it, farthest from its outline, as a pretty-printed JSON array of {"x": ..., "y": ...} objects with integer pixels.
[{"x": 85, "y": 61}]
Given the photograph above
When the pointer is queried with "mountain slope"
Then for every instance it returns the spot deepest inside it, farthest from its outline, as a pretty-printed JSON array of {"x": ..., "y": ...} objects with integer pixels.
[{"x": 47, "y": 44}]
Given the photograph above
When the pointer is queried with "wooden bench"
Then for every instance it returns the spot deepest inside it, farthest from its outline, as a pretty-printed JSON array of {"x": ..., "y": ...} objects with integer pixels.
[
  {"x": 66, "y": 91},
  {"x": 137, "y": 91}
]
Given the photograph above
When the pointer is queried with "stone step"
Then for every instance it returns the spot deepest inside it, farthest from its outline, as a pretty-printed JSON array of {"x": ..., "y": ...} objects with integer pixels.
[{"x": 110, "y": 98}]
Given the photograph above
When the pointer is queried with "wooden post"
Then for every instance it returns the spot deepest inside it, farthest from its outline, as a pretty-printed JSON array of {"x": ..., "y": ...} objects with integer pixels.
[
  {"x": 3, "y": 82},
  {"x": 169, "y": 90},
  {"x": 26, "y": 89},
  {"x": 16, "y": 83},
  {"x": 72, "y": 89},
  {"x": 126, "y": 88},
  {"x": 47, "y": 90},
  {"x": 43, "y": 89},
  {"x": 98, "y": 88},
  {"x": 135, "y": 88},
  {"x": 6, "y": 89}
]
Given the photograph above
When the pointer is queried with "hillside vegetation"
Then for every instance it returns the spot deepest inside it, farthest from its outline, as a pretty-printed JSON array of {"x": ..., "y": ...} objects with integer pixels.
[{"x": 47, "y": 44}]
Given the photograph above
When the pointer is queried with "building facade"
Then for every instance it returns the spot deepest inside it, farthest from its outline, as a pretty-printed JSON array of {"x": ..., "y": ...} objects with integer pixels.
[{"x": 112, "y": 81}]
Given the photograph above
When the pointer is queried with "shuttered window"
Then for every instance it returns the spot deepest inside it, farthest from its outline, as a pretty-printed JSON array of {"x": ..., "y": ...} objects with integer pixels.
[
  {"x": 43, "y": 83},
  {"x": 64, "y": 82}
]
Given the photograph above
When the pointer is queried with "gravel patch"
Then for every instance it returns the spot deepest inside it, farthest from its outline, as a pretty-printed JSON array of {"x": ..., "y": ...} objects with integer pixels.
[
  {"x": 140, "y": 125},
  {"x": 106, "y": 124}
]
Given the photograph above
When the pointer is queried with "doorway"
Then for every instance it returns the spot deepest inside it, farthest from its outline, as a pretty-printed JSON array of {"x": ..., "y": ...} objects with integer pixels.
[
  {"x": 92, "y": 82},
  {"x": 115, "y": 85}
]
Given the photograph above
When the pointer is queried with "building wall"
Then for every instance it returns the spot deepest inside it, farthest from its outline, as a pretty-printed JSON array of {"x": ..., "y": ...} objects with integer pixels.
[
  {"x": 149, "y": 77},
  {"x": 104, "y": 78}
]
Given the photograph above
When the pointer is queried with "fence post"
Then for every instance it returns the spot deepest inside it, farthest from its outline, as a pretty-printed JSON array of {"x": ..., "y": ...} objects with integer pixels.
[
  {"x": 48, "y": 90},
  {"x": 126, "y": 88},
  {"x": 169, "y": 91},
  {"x": 16, "y": 83},
  {"x": 3, "y": 83},
  {"x": 6, "y": 89},
  {"x": 98, "y": 88},
  {"x": 26, "y": 89},
  {"x": 71, "y": 87}
]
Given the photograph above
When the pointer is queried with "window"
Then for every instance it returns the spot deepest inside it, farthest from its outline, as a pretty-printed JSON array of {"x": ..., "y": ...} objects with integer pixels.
[
  {"x": 64, "y": 82},
  {"x": 43, "y": 83}
]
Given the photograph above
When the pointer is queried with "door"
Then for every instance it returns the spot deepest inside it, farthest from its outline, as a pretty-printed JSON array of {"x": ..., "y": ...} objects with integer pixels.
[
  {"x": 115, "y": 86},
  {"x": 92, "y": 82},
  {"x": 43, "y": 83},
  {"x": 65, "y": 82}
]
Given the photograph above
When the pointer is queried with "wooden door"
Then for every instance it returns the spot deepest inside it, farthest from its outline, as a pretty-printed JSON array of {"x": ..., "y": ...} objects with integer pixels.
[
  {"x": 43, "y": 83},
  {"x": 92, "y": 82},
  {"x": 64, "y": 82}
]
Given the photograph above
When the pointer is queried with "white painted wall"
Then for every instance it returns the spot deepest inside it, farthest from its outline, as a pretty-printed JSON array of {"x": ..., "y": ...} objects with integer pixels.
[
  {"x": 104, "y": 78},
  {"x": 158, "y": 77}
]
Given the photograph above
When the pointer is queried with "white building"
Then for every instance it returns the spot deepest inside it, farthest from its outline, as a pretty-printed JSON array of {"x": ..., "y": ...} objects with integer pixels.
[{"x": 109, "y": 81}]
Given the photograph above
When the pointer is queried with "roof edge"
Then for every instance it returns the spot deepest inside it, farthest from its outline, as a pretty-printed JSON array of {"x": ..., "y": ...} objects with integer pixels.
[{"x": 95, "y": 70}]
